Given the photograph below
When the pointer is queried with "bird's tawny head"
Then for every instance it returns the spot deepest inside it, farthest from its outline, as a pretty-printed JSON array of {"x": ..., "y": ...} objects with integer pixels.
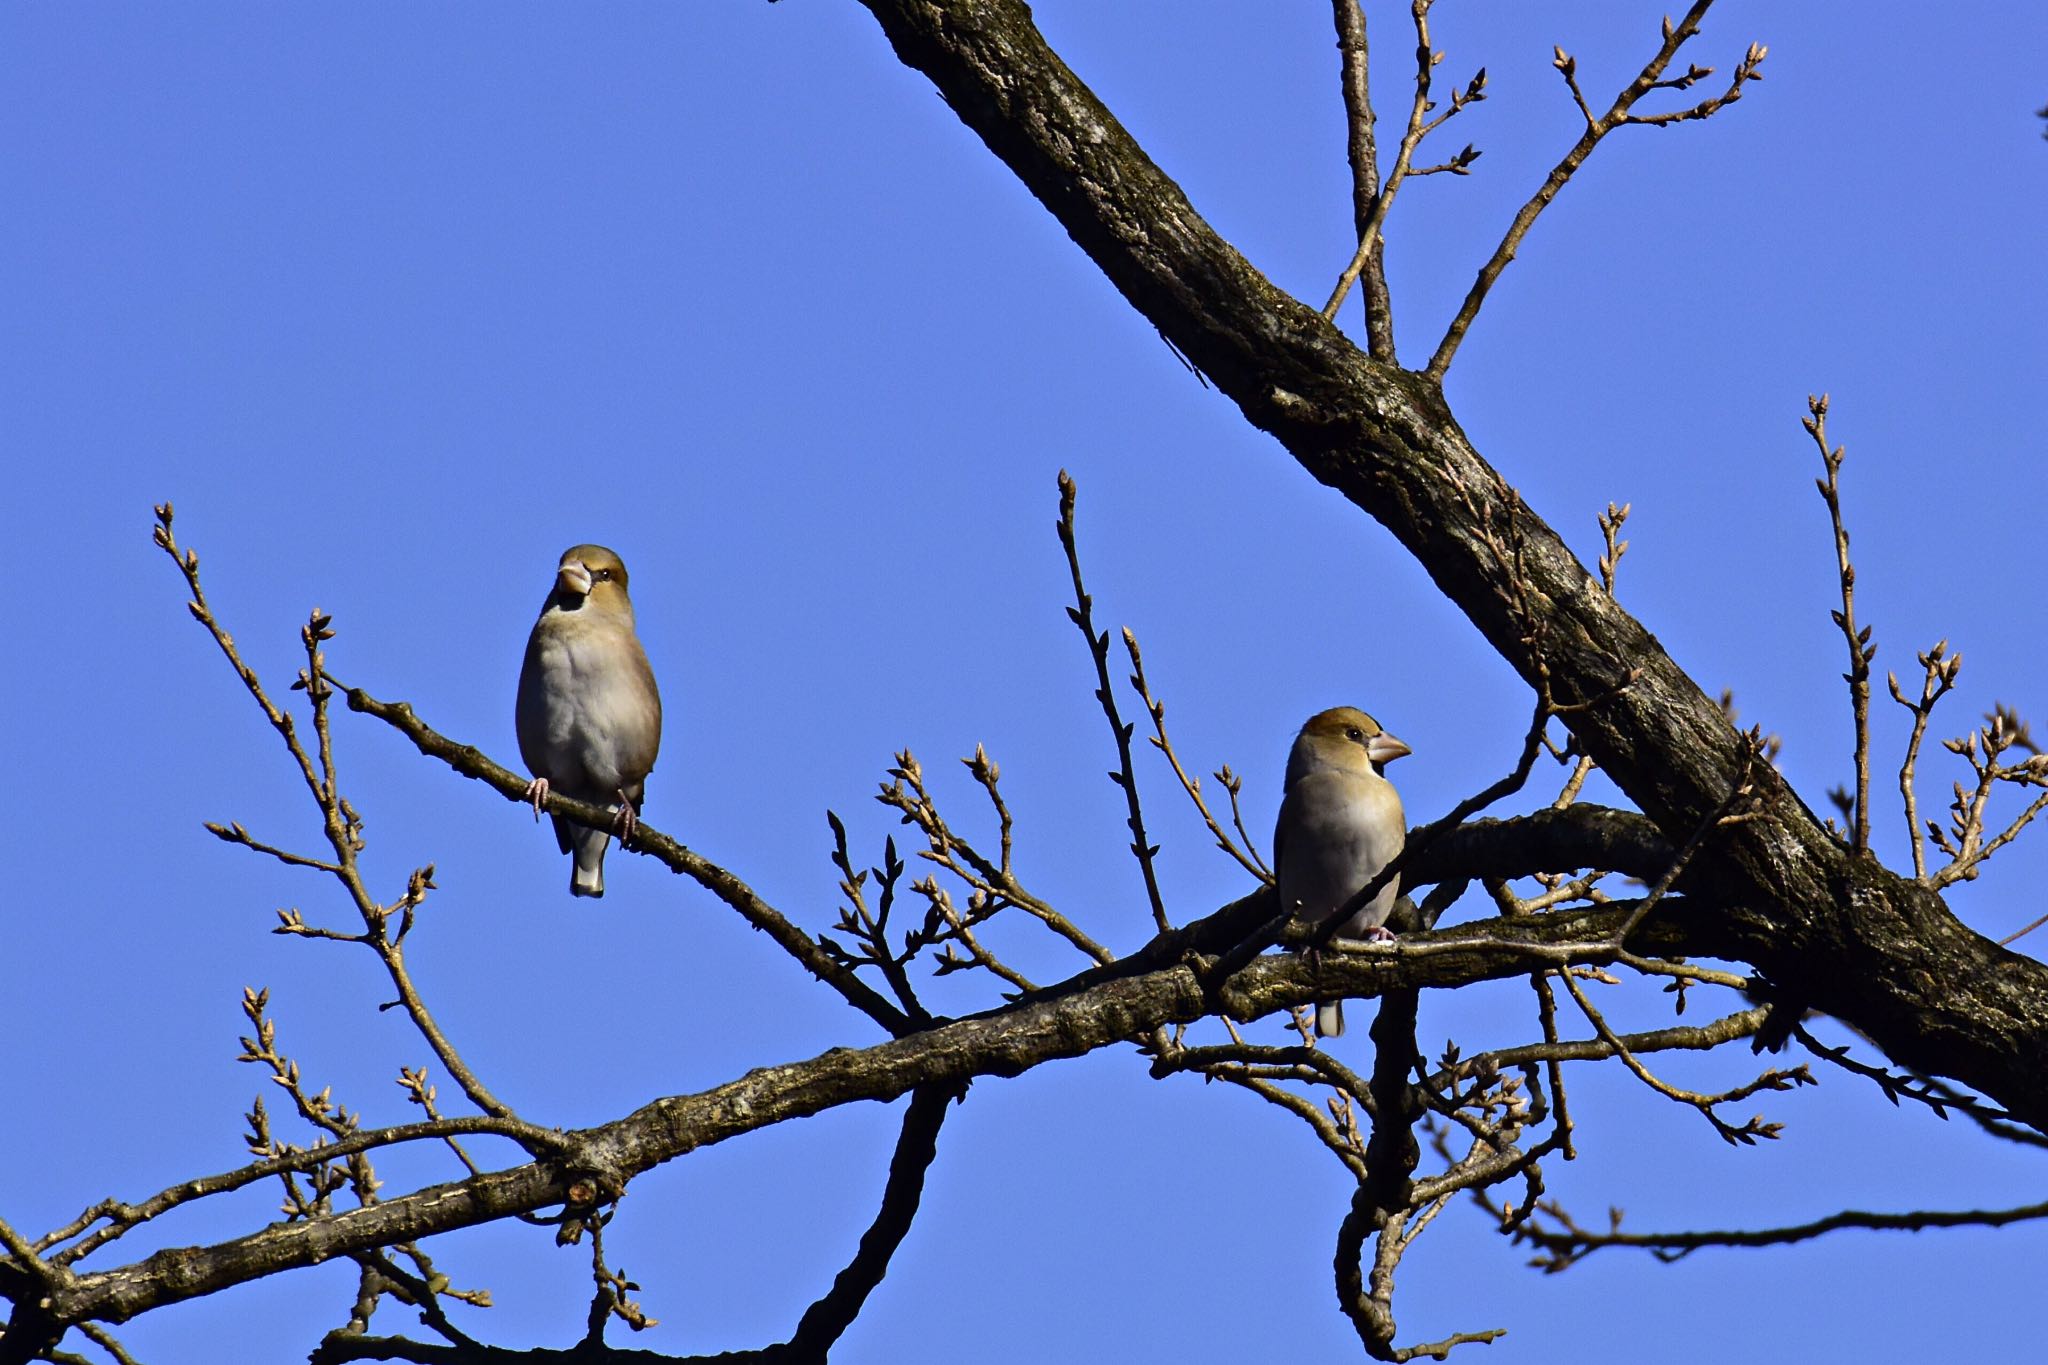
[
  {"x": 591, "y": 571},
  {"x": 1347, "y": 731}
]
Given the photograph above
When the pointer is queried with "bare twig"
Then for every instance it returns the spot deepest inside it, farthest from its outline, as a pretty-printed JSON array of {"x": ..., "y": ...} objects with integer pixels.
[
  {"x": 1546, "y": 1019},
  {"x": 1156, "y": 709},
  {"x": 106, "y": 1341},
  {"x": 1234, "y": 784},
  {"x": 1420, "y": 125},
  {"x": 2003, "y": 730},
  {"x": 2006, "y": 836},
  {"x": 991, "y": 880},
  {"x": 609, "y": 1299},
  {"x": 945, "y": 922},
  {"x": 413, "y": 1080},
  {"x": 19, "y": 1248},
  {"x": 871, "y": 928},
  {"x": 1567, "y": 1243},
  {"x": 1739, "y": 791},
  {"x": 1747, "y": 1133},
  {"x": 1361, "y": 148},
  {"x": 121, "y": 1216},
  {"x": 1938, "y": 1097},
  {"x": 1939, "y": 669},
  {"x": 1314, "y": 1063},
  {"x": 1340, "y": 1140},
  {"x": 315, "y": 1201},
  {"x": 1618, "y": 115},
  {"x": 1082, "y": 615},
  {"x": 2029, "y": 927},
  {"x": 339, "y": 821},
  {"x": 1861, "y": 649},
  {"x": 1611, "y": 522},
  {"x": 233, "y": 833},
  {"x": 471, "y": 762},
  {"x": 424, "y": 1291}
]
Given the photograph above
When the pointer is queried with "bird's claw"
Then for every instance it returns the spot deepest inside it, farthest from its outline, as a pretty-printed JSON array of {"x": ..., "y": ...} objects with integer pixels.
[
  {"x": 537, "y": 792},
  {"x": 1379, "y": 933},
  {"x": 626, "y": 821}
]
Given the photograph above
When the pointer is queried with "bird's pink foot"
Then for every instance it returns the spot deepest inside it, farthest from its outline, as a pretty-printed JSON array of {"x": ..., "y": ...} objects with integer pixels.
[
  {"x": 537, "y": 792},
  {"x": 626, "y": 821},
  {"x": 1379, "y": 933}
]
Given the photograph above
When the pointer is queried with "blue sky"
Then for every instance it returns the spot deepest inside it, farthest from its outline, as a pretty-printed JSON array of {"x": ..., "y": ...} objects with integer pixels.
[{"x": 396, "y": 302}]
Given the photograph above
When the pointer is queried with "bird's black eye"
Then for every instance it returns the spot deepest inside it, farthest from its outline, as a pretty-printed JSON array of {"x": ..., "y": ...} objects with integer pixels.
[
  {"x": 601, "y": 575},
  {"x": 1355, "y": 733}
]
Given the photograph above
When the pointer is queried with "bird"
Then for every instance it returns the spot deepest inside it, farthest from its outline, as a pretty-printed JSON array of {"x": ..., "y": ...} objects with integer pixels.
[
  {"x": 588, "y": 712},
  {"x": 1340, "y": 823}
]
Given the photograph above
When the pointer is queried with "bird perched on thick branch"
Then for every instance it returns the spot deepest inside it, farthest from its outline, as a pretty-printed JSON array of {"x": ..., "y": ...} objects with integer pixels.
[
  {"x": 588, "y": 713},
  {"x": 1340, "y": 823}
]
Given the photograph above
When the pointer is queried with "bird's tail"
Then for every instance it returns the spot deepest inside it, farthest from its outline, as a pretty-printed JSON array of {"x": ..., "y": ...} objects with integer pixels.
[
  {"x": 1330, "y": 1019},
  {"x": 586, "y": 873}
]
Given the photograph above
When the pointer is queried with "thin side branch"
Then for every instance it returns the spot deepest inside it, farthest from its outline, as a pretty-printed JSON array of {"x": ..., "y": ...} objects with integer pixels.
[
  {"x": 1745, "y": 1134},
  {"x": 1695, "y": 1038},
  {"x": 340, "y": 823},
  {"x": 120, "y": 1215},
  {"x": 1420, "y": 125},
  {"x": 1246, "y": 857},
  {"x": 1566, "y": 1243},
  {"x": 1939, "y": 669},
  {"x": 1861, "y": 650},
  {"x": 471, "y": 762},
  {"x": 991, "y": 881},
  {"x": 1618, "y": 115},
  {"x": 1125, "y": 777},
  {"x": 1362, "y": 150}
]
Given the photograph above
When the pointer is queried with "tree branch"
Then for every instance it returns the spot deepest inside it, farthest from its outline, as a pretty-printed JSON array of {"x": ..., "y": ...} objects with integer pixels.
[
  {"x": 1419, "y": 127},
  {"x": 827, "y": 1319},
  {"x": 471, "y": 762},
  {"x": 1362, "y": 150},
  {"x": 1618, "y": 115},
  {"x": 1082, "y": 614},
  {"x": 1062, "y": 1022},
  {"x": 1860, "y": 648},
  {"x": 1854, "y": 941},
  {"x": 1568, "y": 1243}
]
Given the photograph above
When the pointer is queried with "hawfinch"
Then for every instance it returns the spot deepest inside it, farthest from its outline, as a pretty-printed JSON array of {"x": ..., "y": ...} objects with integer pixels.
[
  {"x": 1340, "y": 823},
  {"x": 588, "y": 714}
]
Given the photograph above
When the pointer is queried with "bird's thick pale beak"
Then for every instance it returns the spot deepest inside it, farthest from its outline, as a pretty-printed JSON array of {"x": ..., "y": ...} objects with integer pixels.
[
  {"x": 1385, "y": 749},
  {"x": 574, "y": 578}
]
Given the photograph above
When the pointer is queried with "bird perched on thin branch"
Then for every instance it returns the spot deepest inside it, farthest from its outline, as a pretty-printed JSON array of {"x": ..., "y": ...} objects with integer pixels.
[
  {"x": 588, "y": 713},
  {"x": 1340, "y": 823}
]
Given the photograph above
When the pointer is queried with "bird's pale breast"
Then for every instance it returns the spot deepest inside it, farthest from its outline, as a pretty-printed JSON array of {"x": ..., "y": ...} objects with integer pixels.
[
  {"x": 588, "y": 714},
  {"x": 1338, "y": 830}
]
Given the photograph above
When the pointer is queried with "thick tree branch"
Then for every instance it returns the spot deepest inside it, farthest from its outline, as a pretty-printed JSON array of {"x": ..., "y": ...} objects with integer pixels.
[
  {"x": 1842, "y": 934},
  {"x": 827, "y": 1319},
  {"x": 1062, "y": 1022},
  {"x": 822, "y": 1324}
]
